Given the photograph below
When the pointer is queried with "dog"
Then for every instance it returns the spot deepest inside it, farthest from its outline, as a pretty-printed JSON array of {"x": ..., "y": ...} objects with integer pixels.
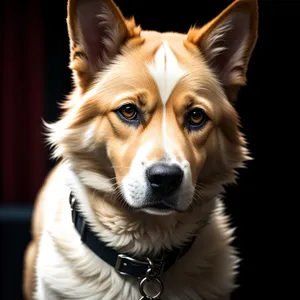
[{"x": 147, "y": 141}]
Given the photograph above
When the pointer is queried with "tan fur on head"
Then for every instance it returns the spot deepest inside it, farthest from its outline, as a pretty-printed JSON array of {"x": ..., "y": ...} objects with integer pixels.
[
  {"x": 165, "y": 76},
  {"x": 169, "y": 80}
]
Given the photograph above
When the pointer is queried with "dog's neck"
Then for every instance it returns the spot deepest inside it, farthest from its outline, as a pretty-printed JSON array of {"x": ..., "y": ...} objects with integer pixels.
[{"x": 136, "y": 232}]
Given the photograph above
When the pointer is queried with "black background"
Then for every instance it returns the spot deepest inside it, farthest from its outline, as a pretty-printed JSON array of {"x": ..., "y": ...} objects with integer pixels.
[{"x": 265, "y": 105}]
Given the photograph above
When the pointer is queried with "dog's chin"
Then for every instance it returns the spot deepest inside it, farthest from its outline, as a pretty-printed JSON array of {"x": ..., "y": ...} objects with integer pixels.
[{"x": 158, "y": 209}]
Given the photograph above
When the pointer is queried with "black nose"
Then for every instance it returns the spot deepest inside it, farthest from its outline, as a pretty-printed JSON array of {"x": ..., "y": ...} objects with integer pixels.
[{"x": 164, "y": 178}]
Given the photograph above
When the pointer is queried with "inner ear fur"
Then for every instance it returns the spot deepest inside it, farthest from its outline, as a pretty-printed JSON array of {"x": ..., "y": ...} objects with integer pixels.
[
  {"x": 227, "y": 43},
  {"x": 97, "y": 30}
]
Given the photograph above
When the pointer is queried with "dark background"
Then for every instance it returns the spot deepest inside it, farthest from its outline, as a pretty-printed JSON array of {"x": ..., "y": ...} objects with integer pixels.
[{"x": 35, "y": 77}]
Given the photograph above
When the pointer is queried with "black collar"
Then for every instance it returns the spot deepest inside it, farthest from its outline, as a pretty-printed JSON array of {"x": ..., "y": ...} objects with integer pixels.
[{"x": 123, "y": 263}]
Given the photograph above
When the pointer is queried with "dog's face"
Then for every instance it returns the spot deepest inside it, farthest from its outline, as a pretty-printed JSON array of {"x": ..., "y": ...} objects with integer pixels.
[{"x": 151, "y": 115}]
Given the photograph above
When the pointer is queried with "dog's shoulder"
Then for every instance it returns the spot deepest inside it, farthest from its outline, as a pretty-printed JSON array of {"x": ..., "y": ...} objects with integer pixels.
[{"x": 52, "y": 192}]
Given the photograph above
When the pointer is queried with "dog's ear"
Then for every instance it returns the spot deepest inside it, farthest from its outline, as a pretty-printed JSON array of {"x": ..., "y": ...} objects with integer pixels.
[
  {"x": 227, "y": 43},
  {"x": 97, "y": 30}
]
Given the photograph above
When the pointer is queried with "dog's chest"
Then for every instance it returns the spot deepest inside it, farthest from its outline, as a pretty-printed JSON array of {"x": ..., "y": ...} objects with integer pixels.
[
  {"x": 67, "y": 268},
  {"x": 82, "y": 275}
]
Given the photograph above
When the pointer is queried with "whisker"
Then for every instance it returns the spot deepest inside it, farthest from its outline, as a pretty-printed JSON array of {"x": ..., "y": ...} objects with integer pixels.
[{"x": 120, "y": 167}]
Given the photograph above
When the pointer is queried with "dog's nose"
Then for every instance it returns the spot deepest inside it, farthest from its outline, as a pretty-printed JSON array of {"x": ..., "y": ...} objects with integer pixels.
[{"x": 164, "y": 178}]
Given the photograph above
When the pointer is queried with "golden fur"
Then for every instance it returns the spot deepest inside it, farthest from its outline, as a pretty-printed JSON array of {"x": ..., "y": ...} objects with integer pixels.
[{"x": 99, "y": 153}]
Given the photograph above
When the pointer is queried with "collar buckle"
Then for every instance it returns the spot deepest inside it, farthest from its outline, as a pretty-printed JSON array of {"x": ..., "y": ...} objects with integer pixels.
[
  {"x": 72, "y": 201},
  {"x": 125, "y": 263}
]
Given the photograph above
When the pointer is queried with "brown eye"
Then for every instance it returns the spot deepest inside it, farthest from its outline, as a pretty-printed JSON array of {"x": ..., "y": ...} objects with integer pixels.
[
  {"x": 128, "y": 111},
  {"x": 129, "y": 114},
  {"x": 196, "y": 118}
]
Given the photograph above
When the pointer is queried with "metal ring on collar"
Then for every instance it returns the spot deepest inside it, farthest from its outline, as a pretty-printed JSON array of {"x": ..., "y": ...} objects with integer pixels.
[{"x": 153, "y": 279}]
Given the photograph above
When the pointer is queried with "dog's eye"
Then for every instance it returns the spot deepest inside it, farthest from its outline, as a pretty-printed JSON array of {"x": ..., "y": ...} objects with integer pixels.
[
  {"x": 128, "y": 113},
  {"x": 196, "y": 118}
]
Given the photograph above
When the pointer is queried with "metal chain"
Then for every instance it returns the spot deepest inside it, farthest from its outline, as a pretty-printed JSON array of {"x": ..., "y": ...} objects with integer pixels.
[{"x": 151, "y": 277}]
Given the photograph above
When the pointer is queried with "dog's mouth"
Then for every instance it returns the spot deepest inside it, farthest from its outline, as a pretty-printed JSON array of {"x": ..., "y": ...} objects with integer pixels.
[
  {"x": 158, "y": 209},
  {"x": 163, "y": 207},
  {"x": 159, "y": 206}
]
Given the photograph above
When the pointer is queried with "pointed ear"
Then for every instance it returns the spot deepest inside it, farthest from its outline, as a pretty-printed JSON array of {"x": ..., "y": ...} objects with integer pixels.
[
  {"x": 227, "y": 43},
  {"x": 97, "y": 30}
]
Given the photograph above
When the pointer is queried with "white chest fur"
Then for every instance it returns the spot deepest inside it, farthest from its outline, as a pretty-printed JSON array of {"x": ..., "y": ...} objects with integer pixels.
[{"x": 67, "y": 269}]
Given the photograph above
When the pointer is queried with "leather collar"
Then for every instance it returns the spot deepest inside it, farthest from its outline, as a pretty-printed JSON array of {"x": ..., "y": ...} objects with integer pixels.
[{"x": 124, "y": 263}]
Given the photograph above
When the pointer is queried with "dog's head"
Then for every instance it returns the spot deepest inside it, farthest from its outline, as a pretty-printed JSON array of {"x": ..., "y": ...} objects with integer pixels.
[{"x": 151, "y": 115}]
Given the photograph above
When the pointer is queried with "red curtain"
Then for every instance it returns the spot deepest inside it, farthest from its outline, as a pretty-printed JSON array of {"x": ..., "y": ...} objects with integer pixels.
[{"x": 22, "y": 155}]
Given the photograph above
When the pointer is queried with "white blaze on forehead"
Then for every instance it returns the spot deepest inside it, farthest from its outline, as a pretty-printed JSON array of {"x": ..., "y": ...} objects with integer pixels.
[{"x": 165, "y": 71}]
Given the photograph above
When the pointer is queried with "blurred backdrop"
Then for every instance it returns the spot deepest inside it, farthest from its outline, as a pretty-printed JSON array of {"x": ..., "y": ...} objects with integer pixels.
[{"x": 35, "y": 77}]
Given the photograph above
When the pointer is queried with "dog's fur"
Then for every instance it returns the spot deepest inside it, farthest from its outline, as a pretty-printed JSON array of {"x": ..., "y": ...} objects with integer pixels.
[{"x": 104, "y": 159}]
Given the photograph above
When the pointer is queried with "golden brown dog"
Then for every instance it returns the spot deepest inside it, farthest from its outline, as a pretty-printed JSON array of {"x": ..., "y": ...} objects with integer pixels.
[{"x": 147, "y": 141}]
